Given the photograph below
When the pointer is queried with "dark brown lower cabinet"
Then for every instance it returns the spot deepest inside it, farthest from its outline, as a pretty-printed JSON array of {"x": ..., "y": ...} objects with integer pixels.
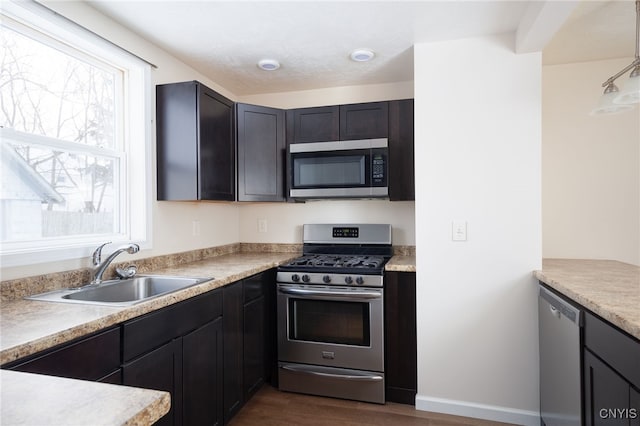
[
  {"x": 201, "y": 375},
  {"x": 635, "y": 405},
  {"x": 611, "y": 375},
  {"x": 179, "y": 349},
  {"x": 249, "y": 339},
  {"x": 253, "y": 346},
  {"x": 607, "y": 395},
  {"x": 232, "y": 315},
  {"x": 190, "y": 368},
  {"x": 160, "y": 369},
  {"x": 95, "y": 358},
  {"x": 401, "y": 357}
]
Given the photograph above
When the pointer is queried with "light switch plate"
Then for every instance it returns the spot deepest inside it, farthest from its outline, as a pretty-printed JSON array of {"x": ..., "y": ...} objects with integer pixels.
[{"x": 458, "y": 231}]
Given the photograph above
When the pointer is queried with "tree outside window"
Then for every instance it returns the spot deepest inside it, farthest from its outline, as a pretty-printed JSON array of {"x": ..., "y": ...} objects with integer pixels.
[{"x": 61, "y": 154}]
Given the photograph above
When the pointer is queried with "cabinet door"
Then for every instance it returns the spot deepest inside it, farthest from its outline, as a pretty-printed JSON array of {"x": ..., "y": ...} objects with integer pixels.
[
  {"x": 271, "y": 332},
  {"x": 232, "y": 315},
  {"x": 176, "y": 144},
  {"x": 202, "y": 375},
  {"x": 261, "y": 150},
  {"x": 319, "y": 124},
  {"x": 401, "y": 151},
  {"x": 90, "y": 358},
  {"x": 606, "y": 394},
  {"x": 217, "y": 147},
  {"x": 254, "y": 346},
  {"x": 364, "y": 121},
  {"x": 160, "y": 369},
  {"x": 400, "y": 337},
  {"x": 634, "y": 414}
]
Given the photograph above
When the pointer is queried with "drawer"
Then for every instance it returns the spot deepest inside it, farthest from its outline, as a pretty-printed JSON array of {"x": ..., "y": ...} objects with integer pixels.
[
  {"x": 619, "y": 350},
  {"x": 90, "y": 358},
  {"x": 152, "y": 330}
]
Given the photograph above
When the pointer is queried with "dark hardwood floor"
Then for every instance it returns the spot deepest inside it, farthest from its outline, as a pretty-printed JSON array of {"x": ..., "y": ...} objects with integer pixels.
[{"x": 270, "y": 407}]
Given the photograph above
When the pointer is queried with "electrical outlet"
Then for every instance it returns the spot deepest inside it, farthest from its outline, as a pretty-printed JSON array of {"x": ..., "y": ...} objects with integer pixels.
[
  {"x": 195, "y": 228},
  {"x": 262, "y": 225},
  {"x": 458, "y": 231}
]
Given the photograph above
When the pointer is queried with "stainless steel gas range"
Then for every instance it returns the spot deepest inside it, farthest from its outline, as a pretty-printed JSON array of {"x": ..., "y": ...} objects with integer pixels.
[{"x": 330, "y": 313}]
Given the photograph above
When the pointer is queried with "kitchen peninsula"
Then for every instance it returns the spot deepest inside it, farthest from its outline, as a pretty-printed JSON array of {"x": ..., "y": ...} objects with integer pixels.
[
  {"x": 603, "y": 353},
  {"x": 608, "y": 288}
]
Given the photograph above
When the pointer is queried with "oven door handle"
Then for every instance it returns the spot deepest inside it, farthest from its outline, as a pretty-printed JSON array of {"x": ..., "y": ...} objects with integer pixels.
[
  {"x": 333, "y": 376},
  {"x": 337, "y": 294}
]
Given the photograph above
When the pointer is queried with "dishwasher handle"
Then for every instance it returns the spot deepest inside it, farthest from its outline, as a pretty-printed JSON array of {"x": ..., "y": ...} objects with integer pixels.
[{"x": 558, "y": 307}]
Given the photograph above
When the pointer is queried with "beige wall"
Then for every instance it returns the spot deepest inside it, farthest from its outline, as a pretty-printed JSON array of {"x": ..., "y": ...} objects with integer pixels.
[
  {"x": 333, "y": 95},
  {"x": 590, "y": 167}
]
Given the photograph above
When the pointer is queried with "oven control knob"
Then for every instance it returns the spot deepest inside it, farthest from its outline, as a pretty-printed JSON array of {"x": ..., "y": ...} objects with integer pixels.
[
  {"x": 295, "y": 278},
  {"x": 326, "y": 279},
  {"x": 348, "y": 280},
  {"x": 306, "y": 278},
  {"x": 359, "y": 280}
]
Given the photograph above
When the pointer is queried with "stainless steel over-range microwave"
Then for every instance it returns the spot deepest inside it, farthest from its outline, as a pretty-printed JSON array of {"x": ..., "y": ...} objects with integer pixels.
[{"x": 340, "y": 169}]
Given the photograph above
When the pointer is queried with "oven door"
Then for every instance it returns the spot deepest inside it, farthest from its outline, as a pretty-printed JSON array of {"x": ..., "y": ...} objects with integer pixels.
[{"x": 336, "y": 327}]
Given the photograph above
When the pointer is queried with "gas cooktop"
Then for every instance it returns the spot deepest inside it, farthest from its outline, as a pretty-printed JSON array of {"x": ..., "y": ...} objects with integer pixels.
[{"x": 353, "y": 264}]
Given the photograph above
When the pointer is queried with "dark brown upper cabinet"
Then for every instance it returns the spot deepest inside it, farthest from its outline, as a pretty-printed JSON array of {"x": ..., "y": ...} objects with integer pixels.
[
  {"x": 261, "y": 151},
  {"x": 338, "y": 122},
  {"x": 364, "y": 121},
  {"x": 401, "y": 164},
  {"x": 320, "y": 124},
  {"x": 195, "y": 143}
]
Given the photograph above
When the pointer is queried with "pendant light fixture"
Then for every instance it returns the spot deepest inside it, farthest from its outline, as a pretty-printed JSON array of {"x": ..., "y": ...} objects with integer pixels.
[{"x": 615, "y": 100}]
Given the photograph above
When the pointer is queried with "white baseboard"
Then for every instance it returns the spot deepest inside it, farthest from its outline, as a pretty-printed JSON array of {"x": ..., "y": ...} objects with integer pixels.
[{"x": 478, "y": 411}]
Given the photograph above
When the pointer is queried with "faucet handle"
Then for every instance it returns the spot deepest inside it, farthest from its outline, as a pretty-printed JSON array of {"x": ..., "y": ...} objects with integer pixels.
[
  {"x": 97, "y": 254},
  {"x": 127, "y": 272}
]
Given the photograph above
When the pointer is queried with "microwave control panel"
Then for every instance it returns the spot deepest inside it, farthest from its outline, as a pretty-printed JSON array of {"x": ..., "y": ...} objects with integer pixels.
[{"x": 378, "y": 169}]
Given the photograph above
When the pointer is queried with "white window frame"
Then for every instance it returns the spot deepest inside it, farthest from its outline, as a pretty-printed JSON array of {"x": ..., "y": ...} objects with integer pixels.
[{"x": 134, "y": 153}]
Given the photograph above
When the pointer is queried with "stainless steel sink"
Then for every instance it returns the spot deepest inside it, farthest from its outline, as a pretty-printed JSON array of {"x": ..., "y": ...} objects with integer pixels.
[{"x": 123, "y": 292}]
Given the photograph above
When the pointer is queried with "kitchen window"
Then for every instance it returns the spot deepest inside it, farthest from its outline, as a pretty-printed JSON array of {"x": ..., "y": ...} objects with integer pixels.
[{"x": 75, "y": 140}]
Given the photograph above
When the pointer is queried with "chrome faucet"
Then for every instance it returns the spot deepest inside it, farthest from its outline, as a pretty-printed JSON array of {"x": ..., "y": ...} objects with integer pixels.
[{"x": 99, "y": 266}]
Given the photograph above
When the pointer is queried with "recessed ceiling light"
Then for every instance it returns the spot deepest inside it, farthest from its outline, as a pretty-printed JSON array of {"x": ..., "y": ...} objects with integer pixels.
[
  {"x": 268, "y": 64},
  {"x": 362, "y": 55}
]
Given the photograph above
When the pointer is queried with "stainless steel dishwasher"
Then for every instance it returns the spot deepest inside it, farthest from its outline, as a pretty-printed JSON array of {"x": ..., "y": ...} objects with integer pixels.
[{"x": 559, "y": 328}]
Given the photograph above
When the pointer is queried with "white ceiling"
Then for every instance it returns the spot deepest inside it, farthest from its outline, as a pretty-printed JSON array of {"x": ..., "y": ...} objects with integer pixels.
[{"x": 224, "y": 40}]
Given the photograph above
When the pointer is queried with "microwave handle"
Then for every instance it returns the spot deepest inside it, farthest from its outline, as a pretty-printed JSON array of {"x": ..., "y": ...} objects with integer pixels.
[{"x": 338, "y": 145}]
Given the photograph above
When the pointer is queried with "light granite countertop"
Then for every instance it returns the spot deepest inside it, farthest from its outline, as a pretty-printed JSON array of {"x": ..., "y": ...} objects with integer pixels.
[
  {"x": 608, "y": 288},
  {"x": 401, "y": 263},
  {"x": 30, "y": 326},
  {"x": 35, "y": 399}
]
